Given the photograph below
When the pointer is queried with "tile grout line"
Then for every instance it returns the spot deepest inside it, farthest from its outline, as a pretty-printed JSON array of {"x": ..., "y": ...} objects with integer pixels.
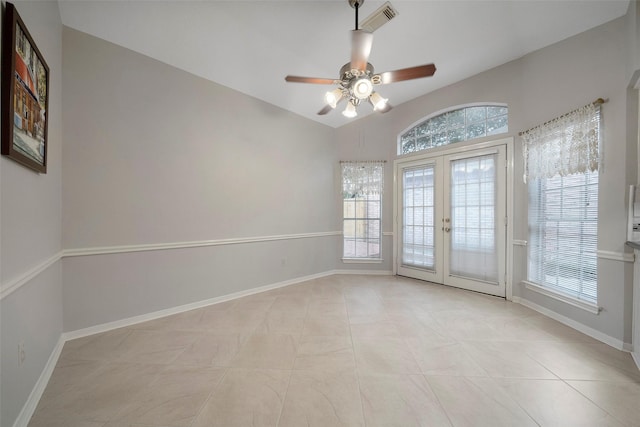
[
  {"x": 286, "y": 392},
  {"x": 591, "y": 400},
  {"x": 209, "y": 396},
  {"x": 355, "y": 360},
  {"x": 444, "y": 410},
  {"x": 284, "y": 397}
]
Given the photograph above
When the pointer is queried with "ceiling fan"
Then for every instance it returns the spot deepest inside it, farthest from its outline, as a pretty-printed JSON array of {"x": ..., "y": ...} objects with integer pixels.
[{"x": 357, "y": 77}]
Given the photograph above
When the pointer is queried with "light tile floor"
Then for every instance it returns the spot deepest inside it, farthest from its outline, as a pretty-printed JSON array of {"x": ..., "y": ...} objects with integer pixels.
[{"x": 344, "y": 351}]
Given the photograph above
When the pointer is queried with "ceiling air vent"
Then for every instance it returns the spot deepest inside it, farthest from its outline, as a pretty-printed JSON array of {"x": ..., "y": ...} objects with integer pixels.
[{"x": 378, "y": 18}]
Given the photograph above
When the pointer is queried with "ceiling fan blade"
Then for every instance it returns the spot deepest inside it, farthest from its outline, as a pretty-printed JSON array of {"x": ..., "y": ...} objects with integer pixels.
[
  {"x": 314, "y": 80},
  {"x": 325, "y": 110},
  {"x": 361, "y": 42},
  {"x": 406, "y": 74}
]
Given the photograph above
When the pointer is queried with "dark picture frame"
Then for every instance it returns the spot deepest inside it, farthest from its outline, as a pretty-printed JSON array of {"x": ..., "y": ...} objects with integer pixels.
[{"x": 25, "y": 95}]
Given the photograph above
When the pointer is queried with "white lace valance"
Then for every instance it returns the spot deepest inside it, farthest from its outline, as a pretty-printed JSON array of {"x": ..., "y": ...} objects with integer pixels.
[
  {"x": 567, "y": 145},
  {"x": 362, "y": 178}
]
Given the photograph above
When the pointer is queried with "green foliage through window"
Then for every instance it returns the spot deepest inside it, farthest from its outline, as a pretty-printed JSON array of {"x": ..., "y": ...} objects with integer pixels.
[{"x": 455, "y": 126}]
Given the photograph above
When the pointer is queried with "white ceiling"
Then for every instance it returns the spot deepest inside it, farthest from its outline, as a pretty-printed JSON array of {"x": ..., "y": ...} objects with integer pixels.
[{"x": 251, "y": 45}]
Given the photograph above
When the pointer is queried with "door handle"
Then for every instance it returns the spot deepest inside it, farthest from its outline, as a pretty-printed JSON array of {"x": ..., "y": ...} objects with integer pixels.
[{"x": 447, "y": 229}]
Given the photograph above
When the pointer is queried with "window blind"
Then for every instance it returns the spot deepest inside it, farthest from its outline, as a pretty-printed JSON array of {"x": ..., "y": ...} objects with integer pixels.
[
  {"x": 418, "y": 213},
  {"x": 563, "y": 225},
  {"x": 474, "y": 201},
  {"x": 561, "y": 161}
]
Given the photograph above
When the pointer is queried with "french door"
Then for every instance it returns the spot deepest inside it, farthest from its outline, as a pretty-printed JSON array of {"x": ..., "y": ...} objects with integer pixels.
[{"x": 451, "y": 217}]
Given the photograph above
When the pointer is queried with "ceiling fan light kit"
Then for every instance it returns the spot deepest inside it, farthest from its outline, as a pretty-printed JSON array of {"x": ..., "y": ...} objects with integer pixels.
[
  {"x": 350, "y": 111},
  {"x": 362, "y": 88},
  {"x": 377, "y": 101},
  {"x": 333, "y": 97},
  {"x": 357, "y": 77}
]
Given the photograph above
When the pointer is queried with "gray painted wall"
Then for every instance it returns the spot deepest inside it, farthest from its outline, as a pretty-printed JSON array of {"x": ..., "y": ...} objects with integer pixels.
[
  {"x": 633, "y": 36},
  {"x": 633, "y": 94},
  {"x": 150, "y": 151},
  {"x": 30, "y": 228},
  {"x": 593, "y": 65},
  {"x": 538, "y": 87},
  {"x": 155, "y": 155}
]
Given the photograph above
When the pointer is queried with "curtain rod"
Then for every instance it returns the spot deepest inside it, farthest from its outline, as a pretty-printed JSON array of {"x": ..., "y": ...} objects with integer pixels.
[
  {"x": 598, "y": 101},
  {"x": 363, "y": 161}
]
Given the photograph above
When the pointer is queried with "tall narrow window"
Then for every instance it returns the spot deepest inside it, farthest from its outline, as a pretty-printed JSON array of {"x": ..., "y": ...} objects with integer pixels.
[
  {"x": 561, "y": 166},
  {"x": 362, "y": 184},
  {"x": 563, "y": 234}
]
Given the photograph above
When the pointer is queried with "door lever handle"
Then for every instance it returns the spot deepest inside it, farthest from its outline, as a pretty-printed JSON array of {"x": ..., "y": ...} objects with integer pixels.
[{"x": 447, "y": 229}]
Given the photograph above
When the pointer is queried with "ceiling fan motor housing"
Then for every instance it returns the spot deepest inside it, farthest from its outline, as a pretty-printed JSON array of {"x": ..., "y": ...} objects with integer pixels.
[
  {"x": 346, "y": 73},
  {"x": 356, "y": 83}
]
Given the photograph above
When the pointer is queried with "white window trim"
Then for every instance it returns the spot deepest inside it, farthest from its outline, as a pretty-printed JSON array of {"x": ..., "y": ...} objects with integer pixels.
[
  {"x": 563, "y": 297},
  {"x": 377, "y": 187},
  {"x": 362, "y": 260}
]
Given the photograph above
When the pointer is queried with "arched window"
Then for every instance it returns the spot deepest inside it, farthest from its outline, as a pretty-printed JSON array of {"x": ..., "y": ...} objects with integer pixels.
[{"x": 461, "y": 124}]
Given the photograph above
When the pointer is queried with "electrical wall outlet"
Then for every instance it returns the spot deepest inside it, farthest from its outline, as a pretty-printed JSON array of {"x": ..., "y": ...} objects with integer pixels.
[{"x": 22, "y": 354}]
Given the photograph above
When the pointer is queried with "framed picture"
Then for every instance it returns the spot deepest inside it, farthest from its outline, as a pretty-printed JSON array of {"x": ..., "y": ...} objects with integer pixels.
[{"x": 25, "y": 95}]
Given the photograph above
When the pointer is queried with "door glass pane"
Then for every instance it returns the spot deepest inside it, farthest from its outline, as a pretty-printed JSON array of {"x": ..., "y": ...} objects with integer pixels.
[
  {"x": 418, "y": 213},
  {"x": 473, "y": 218}
]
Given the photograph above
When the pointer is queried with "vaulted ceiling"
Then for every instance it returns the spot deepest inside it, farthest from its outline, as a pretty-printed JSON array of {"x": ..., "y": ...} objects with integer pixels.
[{"x": 250, "y": 46}]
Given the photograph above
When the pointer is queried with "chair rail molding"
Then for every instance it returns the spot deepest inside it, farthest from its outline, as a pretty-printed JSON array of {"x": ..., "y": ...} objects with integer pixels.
[
  {"x": 616, "y": 256},
  {"x": 14, "y": 284},
  {"x": 193, "y": 244}
]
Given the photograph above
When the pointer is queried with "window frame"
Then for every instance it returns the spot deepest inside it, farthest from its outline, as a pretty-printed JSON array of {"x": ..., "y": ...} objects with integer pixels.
[
  {"x": 362, "y": 215},
  {"x": 425, "y": 120},
  {"x": 365, "y": 236},
  {"x": 536, "y": 189}
]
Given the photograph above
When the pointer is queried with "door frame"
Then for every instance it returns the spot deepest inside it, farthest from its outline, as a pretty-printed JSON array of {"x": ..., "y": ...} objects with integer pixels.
[{"x": 459, "y": 148}]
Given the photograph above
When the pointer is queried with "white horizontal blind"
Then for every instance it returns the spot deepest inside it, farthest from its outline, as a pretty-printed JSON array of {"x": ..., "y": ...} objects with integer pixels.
[
  {"x": 562, "y": 158},
  {"x": 473, "y": 218},
  {"x": 418, "y": 213},
  {"x": 362, "y": 186},
  {"x": 563, "y": 226}
]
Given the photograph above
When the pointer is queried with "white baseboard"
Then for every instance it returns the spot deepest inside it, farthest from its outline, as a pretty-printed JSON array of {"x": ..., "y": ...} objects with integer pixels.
[
  {"x": 636, "y": 358},
  {"x": 365, "y": 272},
  {"x": 105, "y": 327},
  {"x": 36, "y": 393},
  {"x": 613, "y": 342}
]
